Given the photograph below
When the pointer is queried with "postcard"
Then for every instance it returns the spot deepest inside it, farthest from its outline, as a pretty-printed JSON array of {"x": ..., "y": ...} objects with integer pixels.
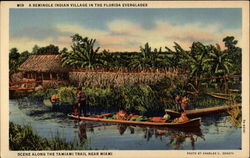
[{"x": 124, "y": 79}]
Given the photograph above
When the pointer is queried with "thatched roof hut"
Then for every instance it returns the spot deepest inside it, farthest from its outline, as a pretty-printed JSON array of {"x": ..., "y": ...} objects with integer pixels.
[
  {"x": 43, "y": 63},
  {"x": 45, "y": 67}
]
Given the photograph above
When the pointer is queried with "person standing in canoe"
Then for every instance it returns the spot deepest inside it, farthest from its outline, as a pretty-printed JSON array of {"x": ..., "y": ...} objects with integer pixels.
[
  {"x": 181, "y": 103},
  {"x": 81, "y": 102},
  {"x": 178, "y": 102},
  {"x": 184, "y": 103}
]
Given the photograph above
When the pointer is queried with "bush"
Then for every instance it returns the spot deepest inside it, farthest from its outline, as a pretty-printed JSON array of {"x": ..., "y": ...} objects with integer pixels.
[
  {"x": 141, "y": 99},
  {"x": 25, "y": 138},
  {"x": 44, "y": 93},
  {"x": 38, "y": 94},
  {"x": 67, "y": 95},
  {"x": 49, "y": 93},
  {"x": 103, "y": 98}
]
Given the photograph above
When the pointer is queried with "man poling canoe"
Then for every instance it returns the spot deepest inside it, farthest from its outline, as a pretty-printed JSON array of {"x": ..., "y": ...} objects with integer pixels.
[{"x": 81, "y": 102}]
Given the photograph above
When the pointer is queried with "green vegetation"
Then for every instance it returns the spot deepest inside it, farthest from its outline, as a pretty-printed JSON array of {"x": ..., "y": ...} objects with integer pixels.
[
  {"x": 147, "y": 58},
  {"x": 83, "y": 53},
  {"x": 44, "y": 94},
  {"x": 67, "y": 95},
  {"x": 140, "y": 99},
  {"x": 103, "y": 98},
  {"x": 124, "y": 82},
  {"x": 16, "y": 59},
  {"x": 25, "y": 138},
  {"x": 200, "y": 61}
]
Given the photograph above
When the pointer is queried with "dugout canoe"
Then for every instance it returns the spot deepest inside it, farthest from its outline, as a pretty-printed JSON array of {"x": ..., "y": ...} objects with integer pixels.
[
  {"x": 203, "y": 112},
  {"x": 191, "y": 123}
]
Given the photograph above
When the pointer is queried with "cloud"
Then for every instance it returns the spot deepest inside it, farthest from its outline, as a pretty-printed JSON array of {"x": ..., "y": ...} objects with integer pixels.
[
  {"x": 37, "y": 33},
  {"x": 124, "y": 35},
  {"x": 123, "y": 27},
  {"x": 85, "y": 32}
]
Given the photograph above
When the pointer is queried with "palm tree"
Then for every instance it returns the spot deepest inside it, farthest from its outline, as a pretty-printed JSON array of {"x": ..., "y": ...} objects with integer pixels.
[
  {"x": 107, "y": 58},
  {"x": 146, "y": 58},
  {"x": 83, "y": 53},
  {"x": 13, "y": 60},
  {"x": 218, "y": 61},
  {"x": 193, "y": 60},
  {"x": 234, "y": 53},
  {"x": 219, "y": 64},
  {"x": 196, "y": 60},
  {"x": 174, "y": 59}
]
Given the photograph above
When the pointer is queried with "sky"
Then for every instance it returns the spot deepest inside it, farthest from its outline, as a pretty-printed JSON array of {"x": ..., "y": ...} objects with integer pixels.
[{"x": 123, "y": 29}]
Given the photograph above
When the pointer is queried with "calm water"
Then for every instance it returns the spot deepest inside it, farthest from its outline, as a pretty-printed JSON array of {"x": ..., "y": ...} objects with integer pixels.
[{"x": 215, "y": 132}]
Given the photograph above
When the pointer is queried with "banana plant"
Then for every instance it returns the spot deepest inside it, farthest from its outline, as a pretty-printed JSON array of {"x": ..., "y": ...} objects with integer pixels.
[
  {"x": 218, "y": 61},
  {"x": 196, "y": 59},
  {"x": 174, "y": 59},
  {"x": 83, "y": 53},
  {"x": 146, "y": 58},
  {"x": 219, "y": 64}
]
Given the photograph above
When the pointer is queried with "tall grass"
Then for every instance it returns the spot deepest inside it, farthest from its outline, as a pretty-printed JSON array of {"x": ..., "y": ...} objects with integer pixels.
[
  {"x": 235, "y": 114},
  {"x": 118, "y": 79},
  {"x": 203, "y": 101},
  {"x": 25, "y": 138}
]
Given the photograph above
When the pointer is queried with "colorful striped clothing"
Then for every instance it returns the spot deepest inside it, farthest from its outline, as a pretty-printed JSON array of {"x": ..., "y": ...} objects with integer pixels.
[{"x": 81, "y": 96}]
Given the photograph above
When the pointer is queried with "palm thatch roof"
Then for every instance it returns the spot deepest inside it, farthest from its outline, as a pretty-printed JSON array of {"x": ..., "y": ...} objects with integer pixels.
[{"x": 43, "y": 63}]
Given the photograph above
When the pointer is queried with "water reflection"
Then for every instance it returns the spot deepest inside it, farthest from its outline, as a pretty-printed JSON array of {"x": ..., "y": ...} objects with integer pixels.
[
  {"x": 148, "y": 133},
  {"x": 176, "y": 137},
  {"x": 219, "y": 133},
  {"x": 121, "y": 128},
  {"x": 131, "y": 129},
  {"x": 82, "y": 132}
]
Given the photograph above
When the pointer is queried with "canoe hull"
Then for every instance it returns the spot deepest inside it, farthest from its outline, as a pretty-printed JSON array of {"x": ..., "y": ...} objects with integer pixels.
[
  {"x": 191, "y": 123},
  {"x": 203, "y": 112}
]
